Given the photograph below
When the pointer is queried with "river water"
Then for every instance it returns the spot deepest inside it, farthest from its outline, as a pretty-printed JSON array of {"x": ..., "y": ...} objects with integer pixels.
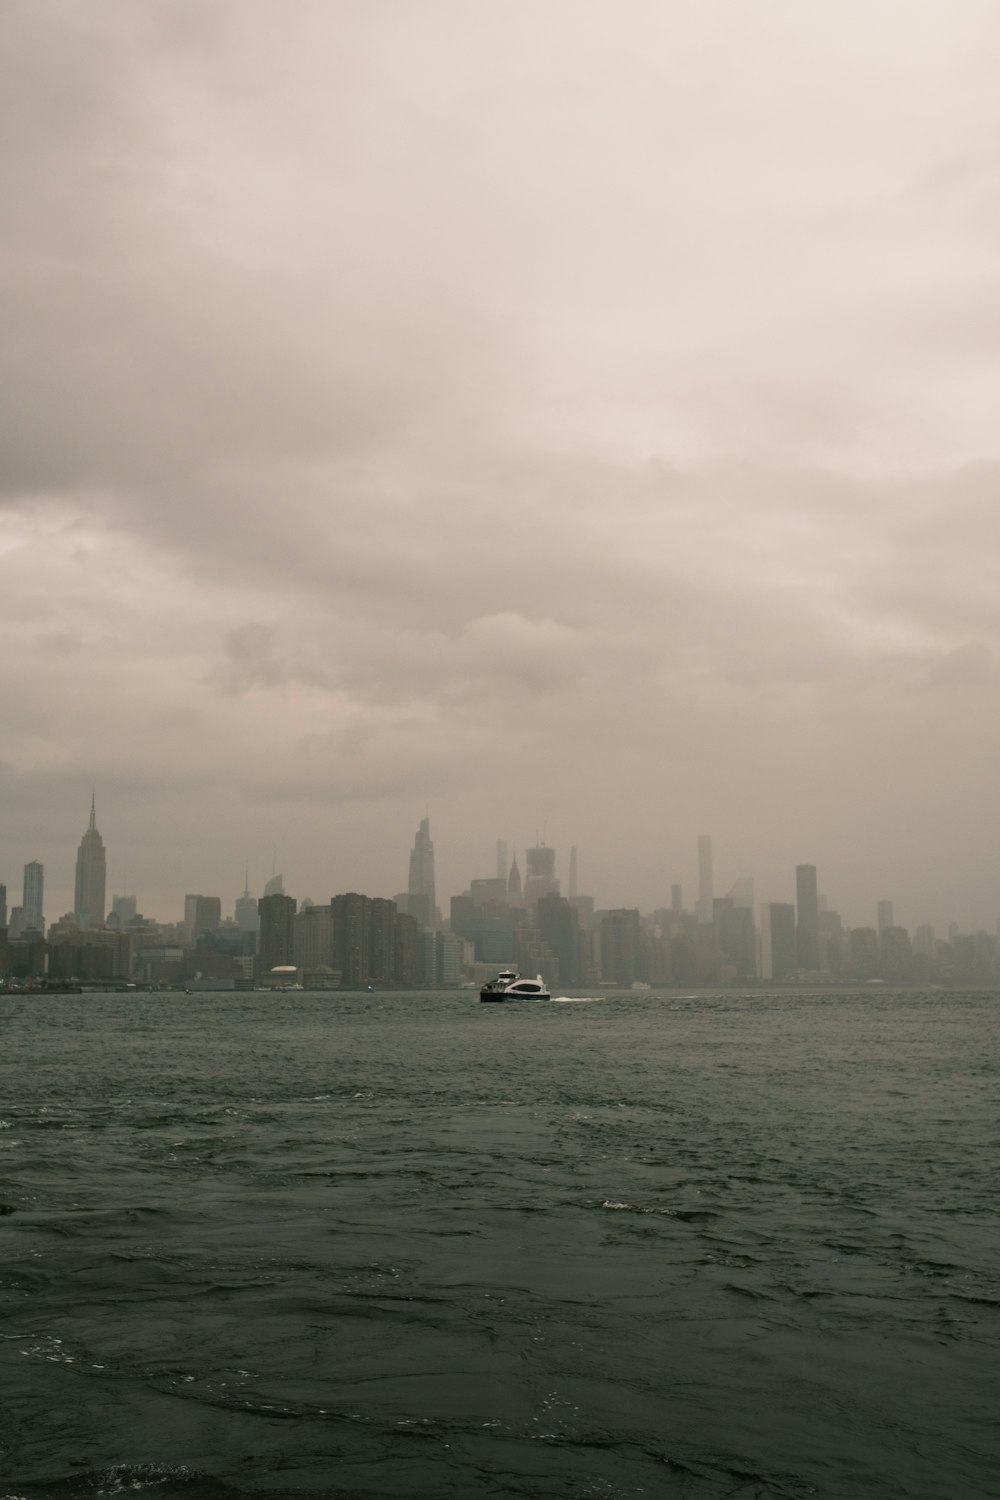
[{"x": 372, "y": 1246}]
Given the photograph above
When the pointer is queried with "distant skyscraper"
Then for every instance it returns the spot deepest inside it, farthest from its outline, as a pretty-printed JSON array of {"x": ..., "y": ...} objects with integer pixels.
[
  {"x": 33, "y": 903},
  {"x": 806, "y": 917},
  {"x": 277, "y": 917},
  {"x": 123, "y": 909},
  {"x": 91, "y": 876},
  {"x": 559, "y": 925},
  {"x": 312, "y": 938},
  {"x": 621, "y": 946},
  {"x": 886, "y": 918},
  {"x": 676, "y": 900},
  {"x": 484, "y": 892},
  {"x": 3, "y": 906},
  {"x": 245, "y": 913},
  {"x": 778, "y": 958},
  {"x": 515, "y": 896},
  {"x": 501, "y": 859},
  {"x": 449, "y": 949},
  {"x": 923, "y": 940},
  {"x": 381, "y": 940},
  {"x": 421, "y": 883},
  {"x": 736, "y": 936},
  {"x": 352, "y": 938},
  {"x": 275, "y": 886},
  {"x": 706, "y": 885},
  {"x": 573, "y": 893},
  {"x": 540, "y": 879},
  {"x": 202, "y": 914}
]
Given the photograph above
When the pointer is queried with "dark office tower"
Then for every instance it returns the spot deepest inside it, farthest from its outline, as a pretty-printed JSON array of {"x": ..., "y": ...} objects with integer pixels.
[
  {"x": 312, "y": 939},
  {"x": 351, "y": 940},
  {"x": 706, "y": 886},
  {"x": 573, "y": 893},
  {"x": 3, "y": 906},
  {"x": 202, "y": 914},
  {"x": 806, "y": 917},
  {"x": 559, "y": 927},
  {"x": 621, "y": 949},
  {"x": 676, "y": 900},
  {"x": 866, "y": 953},
  {"x": 515, "y": 895},
  {"x": 778, "y": 957},
  {"x": 422, "y": 901},
  {"x": 897, "y": 955},
  {"x": 720, "y": 906},
  {"x": 540, "y": 879},
  {"x": 276, "y": 940},
  {"x": 407, "y": 950},
  {"x": 502, "y": 859},
  {"x": 381, "y": 941},
  {"x": 886, "y": 916},
  {"x": 737, "y": 939},
  {"x": 91, "y": 876},
  {"x": 33, "y": 904}
]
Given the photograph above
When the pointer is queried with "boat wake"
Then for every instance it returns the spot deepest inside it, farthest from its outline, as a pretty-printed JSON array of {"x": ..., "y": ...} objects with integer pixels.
[{"x": 576, "y": 999}]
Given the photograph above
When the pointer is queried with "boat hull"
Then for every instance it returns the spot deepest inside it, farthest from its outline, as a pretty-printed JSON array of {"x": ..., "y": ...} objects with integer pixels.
[{"x": 496, "y": 997}]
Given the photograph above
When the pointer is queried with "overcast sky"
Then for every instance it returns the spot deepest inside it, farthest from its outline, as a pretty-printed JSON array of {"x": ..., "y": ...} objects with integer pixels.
[{"x": 557, "y": 415}]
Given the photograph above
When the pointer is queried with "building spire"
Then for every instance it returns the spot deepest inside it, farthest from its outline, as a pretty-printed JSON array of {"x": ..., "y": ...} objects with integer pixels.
[{"x": 93, "y": 809}]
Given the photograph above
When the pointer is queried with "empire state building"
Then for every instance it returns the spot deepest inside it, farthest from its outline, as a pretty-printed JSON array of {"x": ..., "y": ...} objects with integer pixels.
[{"x": 91, "y": 877}]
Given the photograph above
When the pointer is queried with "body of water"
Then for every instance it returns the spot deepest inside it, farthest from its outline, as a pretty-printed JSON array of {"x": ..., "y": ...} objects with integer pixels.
[{"x": 386, "y": 1245}]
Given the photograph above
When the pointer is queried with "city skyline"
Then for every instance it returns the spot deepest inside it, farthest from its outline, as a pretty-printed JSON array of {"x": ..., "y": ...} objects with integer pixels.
[
  {"x": 558, "y": 870},
  {"x": 612, "y": 450},
  {"x": 356, "y": 940}
]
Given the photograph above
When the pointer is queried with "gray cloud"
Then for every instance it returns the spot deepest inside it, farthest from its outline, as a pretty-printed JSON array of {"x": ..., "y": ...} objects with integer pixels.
[{"x": 561, "y": 417}]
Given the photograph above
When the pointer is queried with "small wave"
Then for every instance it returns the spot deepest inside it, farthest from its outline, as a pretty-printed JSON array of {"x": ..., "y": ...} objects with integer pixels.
[
  {"x": 686, "y": 1215},
  {"x": 161, "y": 1480}
]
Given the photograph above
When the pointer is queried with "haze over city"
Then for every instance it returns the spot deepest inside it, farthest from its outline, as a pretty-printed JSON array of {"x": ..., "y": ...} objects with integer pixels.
[
  {"x": 500, "y": 616},
  {"x": 566, "y": 420}
]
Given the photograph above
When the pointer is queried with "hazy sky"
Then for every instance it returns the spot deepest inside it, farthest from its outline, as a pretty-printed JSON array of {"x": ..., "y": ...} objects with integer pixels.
[{"x": 562, "y": 416}]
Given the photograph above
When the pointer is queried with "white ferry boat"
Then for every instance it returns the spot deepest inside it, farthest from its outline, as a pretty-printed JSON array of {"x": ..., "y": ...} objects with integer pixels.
[{"x": 509, "y": 985}]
